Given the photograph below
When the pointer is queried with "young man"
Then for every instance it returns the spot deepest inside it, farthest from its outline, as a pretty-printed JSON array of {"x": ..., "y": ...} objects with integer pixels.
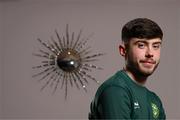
[{"x": 124, "y": 96}]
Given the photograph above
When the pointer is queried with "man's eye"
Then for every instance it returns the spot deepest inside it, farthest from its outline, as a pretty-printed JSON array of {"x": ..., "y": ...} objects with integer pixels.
[
  {"x": 140, "y": 45},
  {"x": 156, "y": 46}
]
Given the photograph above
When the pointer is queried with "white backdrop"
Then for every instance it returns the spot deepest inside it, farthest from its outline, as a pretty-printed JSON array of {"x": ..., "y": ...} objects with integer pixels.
[{"x": 23, "y": 21}]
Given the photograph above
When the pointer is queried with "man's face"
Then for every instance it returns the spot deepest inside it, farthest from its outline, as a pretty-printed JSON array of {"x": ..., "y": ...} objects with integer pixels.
[{"x": 143, "y": 55}]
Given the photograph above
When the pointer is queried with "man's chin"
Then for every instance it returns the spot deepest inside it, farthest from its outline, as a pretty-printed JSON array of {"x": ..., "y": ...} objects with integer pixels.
[{"x": 147, "y": 72}]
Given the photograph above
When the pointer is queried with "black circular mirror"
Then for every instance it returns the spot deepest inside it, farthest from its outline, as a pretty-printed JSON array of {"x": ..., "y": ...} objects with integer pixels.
[{"x": 68, "y": 60}]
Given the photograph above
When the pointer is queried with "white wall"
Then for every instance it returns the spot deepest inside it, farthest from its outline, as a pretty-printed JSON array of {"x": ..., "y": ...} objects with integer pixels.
[{"x": 27, "y": 20}]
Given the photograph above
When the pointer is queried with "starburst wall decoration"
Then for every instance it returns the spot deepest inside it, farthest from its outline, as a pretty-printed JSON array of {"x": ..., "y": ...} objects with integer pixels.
[{"x": 66, "y": 60}]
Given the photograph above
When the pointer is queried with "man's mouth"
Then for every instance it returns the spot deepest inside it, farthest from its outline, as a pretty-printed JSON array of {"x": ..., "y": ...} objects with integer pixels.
[{"x": 148, "y": 61}]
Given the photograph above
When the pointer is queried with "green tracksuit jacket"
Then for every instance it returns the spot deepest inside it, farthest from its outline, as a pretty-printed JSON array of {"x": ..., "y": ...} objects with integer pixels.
[{"x": 121, "y": 98}]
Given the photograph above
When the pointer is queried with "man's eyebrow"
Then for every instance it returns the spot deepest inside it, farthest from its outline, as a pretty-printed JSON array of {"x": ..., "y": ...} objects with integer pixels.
[
  {"x": 141, "y": 41},
  {"x": 158, "y": 42},
  {"x": 146, "y": 42}
]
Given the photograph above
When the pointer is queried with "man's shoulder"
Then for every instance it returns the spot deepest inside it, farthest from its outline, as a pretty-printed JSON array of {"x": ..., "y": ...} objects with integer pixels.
[
  {"x": 117, "y": 80},
  {"x": 153, "y": 95}
]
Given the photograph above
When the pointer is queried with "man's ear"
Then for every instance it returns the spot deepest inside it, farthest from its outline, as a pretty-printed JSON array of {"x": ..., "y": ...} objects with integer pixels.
[{"x": 122, "y": 50}]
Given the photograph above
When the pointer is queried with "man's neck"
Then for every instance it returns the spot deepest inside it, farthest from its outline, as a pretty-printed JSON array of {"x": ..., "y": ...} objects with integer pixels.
[{"x": 140, "y": 80}]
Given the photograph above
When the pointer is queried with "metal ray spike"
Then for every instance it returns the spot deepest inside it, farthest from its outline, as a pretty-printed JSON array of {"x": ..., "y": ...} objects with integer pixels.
[
  {"x": 58, "y": 75},
  {"x": 72, "y": 39},
  {"x": 53, "y": 79},
  {"x": 64, "y": 42},
  {"x": 74, "y": 79},
  {"x": 82, "y": 76},
  {"x": 53, "y": 46},
  {"x": 67, "y": 35},
  {"x": 47, "y": 82},
  {"x": 85, "y": 51},
  {"x": 89, "y": 76},
  {"x": 77, "y": 40},
  {"x": 57, "y": 83},
  {"x": 92, "y": 60},
  {"x": 93, "y": 56},
  {"x": 56, "y": 44},
  {"x": 44, "y": 52},
  {"x": 63, "y": 80},
  {"x": 70, "y": 79},
  {"x": 43, "y": 72},
  {"x": 46, "y": 46},
  {"x": 86, "y": 68},
  {"x": 66, "y": 87},
  {"x": 41, "y": 66},
  {"x": 59, "y": 39},
  {"x": 47, "y": 74},
  {"x": 83, "y": 42},
  {"x": 92, "y": 66},
  {"x": 39, "y": 55},
  {"x": 80, "y": 81}
]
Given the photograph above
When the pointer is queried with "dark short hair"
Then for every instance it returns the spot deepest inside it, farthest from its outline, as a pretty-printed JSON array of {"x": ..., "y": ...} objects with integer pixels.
[{"x": 141, "y": 28}]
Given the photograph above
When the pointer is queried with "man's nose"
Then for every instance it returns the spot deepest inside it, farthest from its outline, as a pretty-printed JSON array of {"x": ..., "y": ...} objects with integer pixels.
[{"x": 149, "y": 53}]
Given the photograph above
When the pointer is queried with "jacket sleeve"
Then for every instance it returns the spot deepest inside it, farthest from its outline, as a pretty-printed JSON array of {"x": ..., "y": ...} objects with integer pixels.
[{"x": 114, "y": 103}]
